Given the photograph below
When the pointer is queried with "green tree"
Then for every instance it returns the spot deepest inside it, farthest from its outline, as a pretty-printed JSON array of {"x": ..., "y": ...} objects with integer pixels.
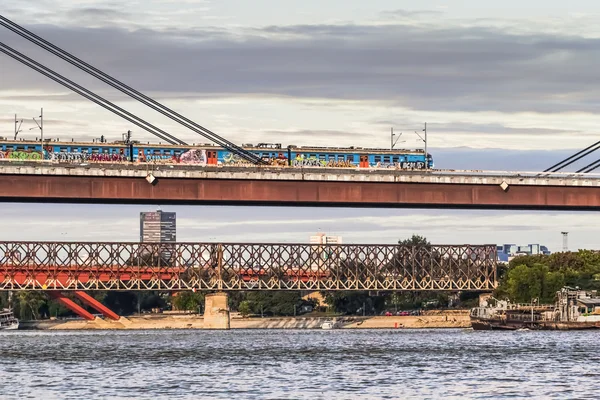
[
  {"x": 415, "y": 240},
  {"x": 245, "y": 308},
  {"x": 525, "y": 283},
  {"x": 28, "y": 304},
  {"x": 188, "y": 301}
]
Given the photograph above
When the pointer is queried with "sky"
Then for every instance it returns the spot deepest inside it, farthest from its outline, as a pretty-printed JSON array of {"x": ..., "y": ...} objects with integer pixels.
[{"x": 501, "y": 85}]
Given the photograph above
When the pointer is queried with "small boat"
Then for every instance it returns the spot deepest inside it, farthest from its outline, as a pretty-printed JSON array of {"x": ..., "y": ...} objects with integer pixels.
[
  {"x": 328, "y": 325},
  {"x": 8, "y": 320}
]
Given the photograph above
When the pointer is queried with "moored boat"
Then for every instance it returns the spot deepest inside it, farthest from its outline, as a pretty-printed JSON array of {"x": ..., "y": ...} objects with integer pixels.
[
  {"x": 574, "y": 310},
  {"x": 8, "y": 320},
  {"x": 328, "y": 325}
]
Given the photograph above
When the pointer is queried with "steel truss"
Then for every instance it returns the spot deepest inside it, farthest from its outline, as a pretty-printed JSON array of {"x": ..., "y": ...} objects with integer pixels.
[{"x": 243, "y": 266}]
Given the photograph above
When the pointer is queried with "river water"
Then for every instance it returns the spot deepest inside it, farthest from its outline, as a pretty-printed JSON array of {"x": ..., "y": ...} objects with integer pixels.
[{"x": 299, "y": 364}]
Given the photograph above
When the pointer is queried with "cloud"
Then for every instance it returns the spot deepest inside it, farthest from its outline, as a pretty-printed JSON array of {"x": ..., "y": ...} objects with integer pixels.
[
  {"x": 296, "y": 225},
  {"x": 410, "y": 14},
  {"x": 438, "y": 69},
  {"x": 305, "y": 133}
]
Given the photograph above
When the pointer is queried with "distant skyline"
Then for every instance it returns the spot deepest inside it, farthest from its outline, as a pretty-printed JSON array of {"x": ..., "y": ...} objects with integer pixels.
[{"x": 504, "y": 86}]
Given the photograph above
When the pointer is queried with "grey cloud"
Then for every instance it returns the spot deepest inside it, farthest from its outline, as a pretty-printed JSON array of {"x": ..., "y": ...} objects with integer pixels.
[
  {"x": 315, "y": 133},
  {"x": 102, "y": 13},
  {"x": 444, "y": 69},
  {"x": 401, "y": 13},
  {"x": 468, "y": 127}
]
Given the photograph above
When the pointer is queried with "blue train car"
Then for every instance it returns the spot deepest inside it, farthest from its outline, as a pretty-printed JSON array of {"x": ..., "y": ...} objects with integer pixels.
[{"x": 274, "y": 154}]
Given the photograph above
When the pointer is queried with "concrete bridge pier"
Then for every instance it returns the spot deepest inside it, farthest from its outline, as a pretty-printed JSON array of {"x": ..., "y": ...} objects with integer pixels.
[{"x": 216, "y": 311}]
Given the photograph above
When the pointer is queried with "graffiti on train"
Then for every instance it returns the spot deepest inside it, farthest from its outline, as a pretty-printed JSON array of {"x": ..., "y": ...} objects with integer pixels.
[
  {"x": 194, "y": 156},
  {"x": 69, "y": 157},
  {"x": 234, "y": 159},
  {"x": 401, "y": 165},
  {"x": 314, "y": 162},
  {"x": 20, "y": 155}
]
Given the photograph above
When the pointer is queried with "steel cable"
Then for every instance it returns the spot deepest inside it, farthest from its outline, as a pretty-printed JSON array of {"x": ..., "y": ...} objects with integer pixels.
[{"x": 32, "y": 37}]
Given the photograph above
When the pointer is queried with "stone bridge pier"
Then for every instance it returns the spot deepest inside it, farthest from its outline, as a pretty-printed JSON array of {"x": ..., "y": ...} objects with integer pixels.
[{"x": 216, "y": 311}]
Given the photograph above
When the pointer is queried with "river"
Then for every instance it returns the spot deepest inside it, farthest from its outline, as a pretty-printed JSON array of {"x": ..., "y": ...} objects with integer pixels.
[{"x": 299, "y": 364}]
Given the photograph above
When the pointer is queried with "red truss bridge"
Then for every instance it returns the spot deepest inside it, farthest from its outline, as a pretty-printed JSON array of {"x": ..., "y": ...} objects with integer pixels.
[{"x": 82, "y": 266}]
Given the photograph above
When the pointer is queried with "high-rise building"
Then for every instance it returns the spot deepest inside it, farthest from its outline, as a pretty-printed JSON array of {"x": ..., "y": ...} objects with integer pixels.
[
  {"x": 321, "y": 238},
  {"x": 507, "y": 251},
  {"x": 158, "y": 227}
]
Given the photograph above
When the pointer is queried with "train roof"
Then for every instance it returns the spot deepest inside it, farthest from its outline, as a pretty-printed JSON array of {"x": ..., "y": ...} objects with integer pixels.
[{"x": 248, "y": 146}]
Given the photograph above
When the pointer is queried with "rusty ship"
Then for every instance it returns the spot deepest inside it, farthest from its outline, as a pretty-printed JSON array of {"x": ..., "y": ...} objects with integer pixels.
[{"x": 574, "y": 309}]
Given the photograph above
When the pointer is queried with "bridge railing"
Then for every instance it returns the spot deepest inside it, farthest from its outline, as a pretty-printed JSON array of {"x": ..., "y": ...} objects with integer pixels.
[{"x": 244, "y": 266}]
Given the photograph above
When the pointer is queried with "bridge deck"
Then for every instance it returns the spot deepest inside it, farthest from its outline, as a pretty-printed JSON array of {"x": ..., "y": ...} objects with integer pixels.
[{"x": 174, "y": 184}]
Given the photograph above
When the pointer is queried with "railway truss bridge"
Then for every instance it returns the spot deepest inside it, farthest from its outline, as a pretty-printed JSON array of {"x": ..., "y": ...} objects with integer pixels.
[
  {"x": 76, "y": 267},
  {"x": 244, "y": 266}
]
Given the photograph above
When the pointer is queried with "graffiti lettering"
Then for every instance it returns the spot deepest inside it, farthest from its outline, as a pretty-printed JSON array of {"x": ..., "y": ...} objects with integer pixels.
[
  {"x": 20, "y": 155},
  {"x": 85, "y": 157},
  {"x": 231, "y": 159},
  {"x": 413, "y": 165},
  {"x": 314, "y": 162},
  {"x": 196, "y": 157}
]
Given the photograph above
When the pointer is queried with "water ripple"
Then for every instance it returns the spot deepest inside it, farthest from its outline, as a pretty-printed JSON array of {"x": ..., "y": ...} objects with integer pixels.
[{"x": 299, "y": 364}]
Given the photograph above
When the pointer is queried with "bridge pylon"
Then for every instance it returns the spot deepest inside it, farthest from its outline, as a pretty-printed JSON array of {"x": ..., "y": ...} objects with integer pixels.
[{"x": 216, "y": 311}]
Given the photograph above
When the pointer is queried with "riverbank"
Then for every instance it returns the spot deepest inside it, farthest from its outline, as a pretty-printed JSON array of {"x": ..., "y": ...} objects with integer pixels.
[{"x": 454, "y": 319}]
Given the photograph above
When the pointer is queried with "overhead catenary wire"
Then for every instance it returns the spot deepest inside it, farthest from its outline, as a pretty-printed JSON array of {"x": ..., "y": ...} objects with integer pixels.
[
  {"x": 575, "y": 157},
  {"x": 32, "y": 37},
  {"x": 87, "y": 93}
]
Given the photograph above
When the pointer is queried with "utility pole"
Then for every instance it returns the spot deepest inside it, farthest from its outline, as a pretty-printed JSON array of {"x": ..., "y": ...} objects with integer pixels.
[
  {"x": 392, "y": 136},
  {"x": 42, "y": 131},
  {"x": 426, "y": 158},
  {"x": 41, "y": 127},
  {"x": 565, "y": 236},
  {"x": 17, "y": 126},
  {"x": 424, "y": 139}
]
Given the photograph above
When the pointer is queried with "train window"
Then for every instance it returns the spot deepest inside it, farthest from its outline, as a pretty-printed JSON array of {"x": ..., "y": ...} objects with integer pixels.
[
  {"x": 349, "y": 157},
  {"x": 386, "y": 159},
  {"x": 63, "y": 150},
  {"x": 156, "y": 152},
  {"x": 331, "y": 157},
  {"x": 322, "y": 157},
  {"x": 377, "y": 158},
  {"x": 21, "y": 148},
  {"x": 95, "y": 150},
  {"x": 395, "y": 159},
  {"x": 313, "y": 156}
]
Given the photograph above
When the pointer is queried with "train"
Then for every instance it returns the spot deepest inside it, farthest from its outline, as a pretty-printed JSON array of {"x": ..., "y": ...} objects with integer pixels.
[{"x": 207, "y": 154}]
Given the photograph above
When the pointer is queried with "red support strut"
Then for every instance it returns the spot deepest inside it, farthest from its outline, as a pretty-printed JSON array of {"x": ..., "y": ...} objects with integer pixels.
[
  {"x": 71, "y": 305},
  {"x": 95, "y": 304}
]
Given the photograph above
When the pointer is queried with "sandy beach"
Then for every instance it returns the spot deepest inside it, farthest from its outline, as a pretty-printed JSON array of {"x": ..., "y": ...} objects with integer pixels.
[{"x": 451, "y": 319}]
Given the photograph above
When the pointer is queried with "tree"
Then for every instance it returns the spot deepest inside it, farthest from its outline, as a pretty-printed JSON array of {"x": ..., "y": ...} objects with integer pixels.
[
  {"x": 245, "y": 308},
  {"x": 415, "y": 240},
  {"x": 527, "y": 283},
  {"x": 28, "y": 304},
  {"x": 188, "y": 300}
]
